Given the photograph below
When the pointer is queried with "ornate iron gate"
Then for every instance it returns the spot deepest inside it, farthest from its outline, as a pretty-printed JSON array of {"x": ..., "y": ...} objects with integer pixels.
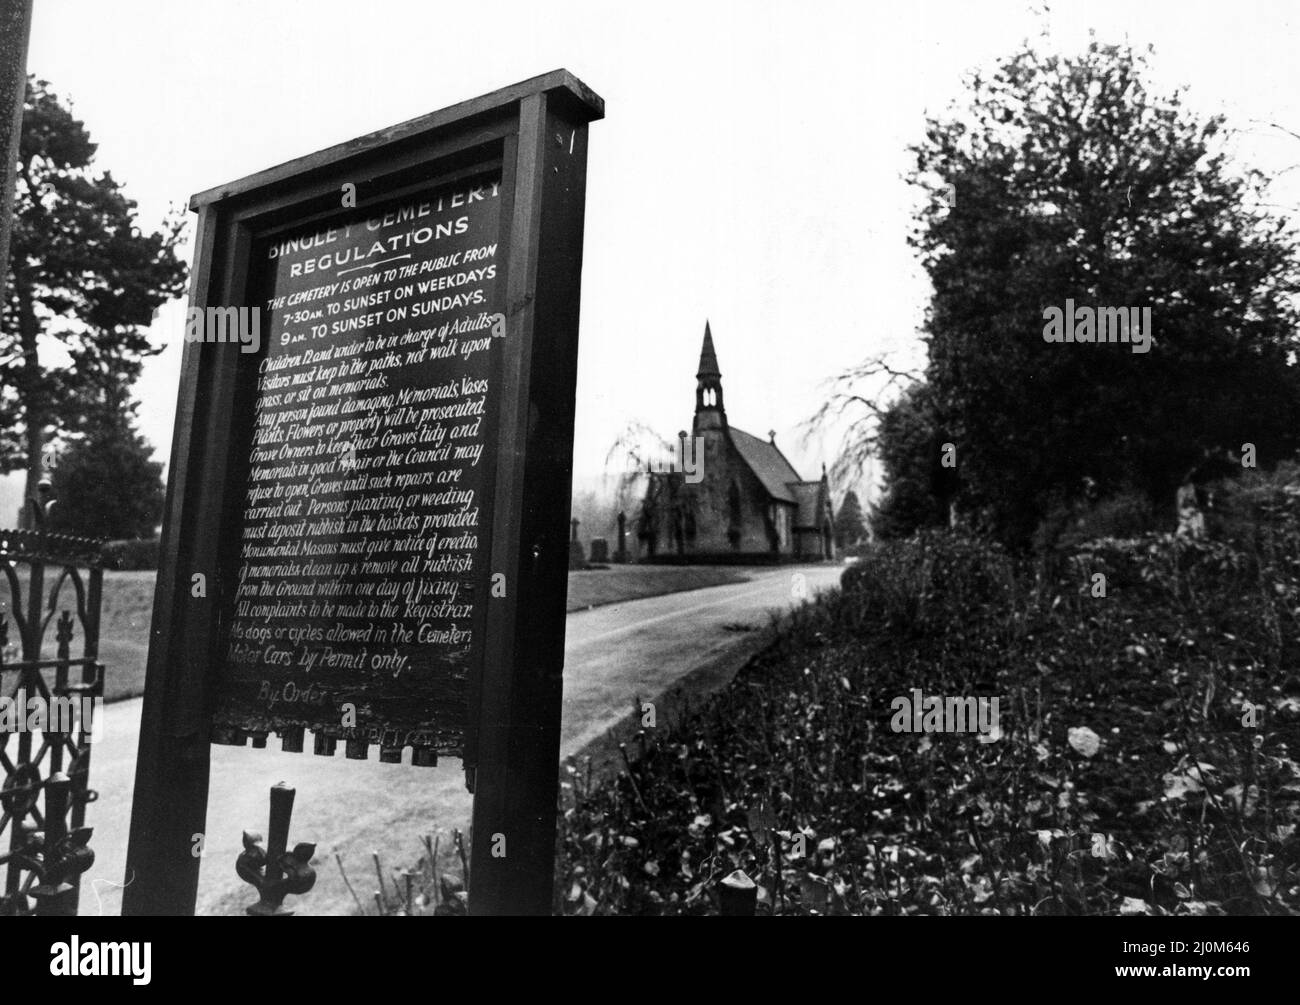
[{"x": 46, "y": 848}]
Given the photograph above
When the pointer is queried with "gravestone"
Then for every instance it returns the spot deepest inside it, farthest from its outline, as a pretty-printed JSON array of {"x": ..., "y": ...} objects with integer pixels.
[
  {"x": 365, "y": 528},
  {"x": 599, "y": 550},
  {"x": 576, "y": 557}
]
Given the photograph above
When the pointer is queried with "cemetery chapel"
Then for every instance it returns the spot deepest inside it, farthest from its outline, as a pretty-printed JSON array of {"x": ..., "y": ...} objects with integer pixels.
[{"x": 749, "y": 505}]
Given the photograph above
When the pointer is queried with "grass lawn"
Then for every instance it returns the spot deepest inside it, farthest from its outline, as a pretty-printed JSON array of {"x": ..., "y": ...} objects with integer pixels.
[
  {"x": 621, "y": 583},
  {"x": 123, "y": 635},
  {"x": 128, "y": 605},
  {"x": 124, "y": 632}
]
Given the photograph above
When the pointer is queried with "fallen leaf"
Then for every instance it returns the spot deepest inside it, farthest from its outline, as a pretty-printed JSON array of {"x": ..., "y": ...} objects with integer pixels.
[{"x": 1179, "y": 786}]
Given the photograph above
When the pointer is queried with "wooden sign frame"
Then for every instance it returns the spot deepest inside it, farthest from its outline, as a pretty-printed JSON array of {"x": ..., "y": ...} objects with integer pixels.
[{"x": 536, "y": 133}]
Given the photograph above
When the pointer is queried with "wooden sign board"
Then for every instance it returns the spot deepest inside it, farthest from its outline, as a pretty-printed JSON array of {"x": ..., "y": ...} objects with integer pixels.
[
  {"x": 366, "y": 524},
  {"x": 359, "y": 601}
]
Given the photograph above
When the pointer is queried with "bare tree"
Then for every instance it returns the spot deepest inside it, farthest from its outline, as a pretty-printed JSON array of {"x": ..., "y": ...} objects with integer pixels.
[{"x": 864, "y": 393}]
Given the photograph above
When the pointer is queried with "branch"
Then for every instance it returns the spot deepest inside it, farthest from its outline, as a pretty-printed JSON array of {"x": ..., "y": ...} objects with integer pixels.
[{"x": 859, "y": 440}]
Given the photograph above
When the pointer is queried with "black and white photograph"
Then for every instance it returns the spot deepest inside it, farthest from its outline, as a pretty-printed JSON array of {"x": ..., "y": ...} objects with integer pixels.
[{"x": 736, "y": 458}]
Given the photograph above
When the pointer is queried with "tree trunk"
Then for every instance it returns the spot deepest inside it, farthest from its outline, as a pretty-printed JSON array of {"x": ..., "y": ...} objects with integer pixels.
[
  {"x": 28, "y": 387},
  {"x": 15, "y": 26}
]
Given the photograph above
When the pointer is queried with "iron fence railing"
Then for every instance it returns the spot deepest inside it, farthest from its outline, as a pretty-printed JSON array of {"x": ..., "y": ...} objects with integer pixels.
[{"x": 47, "y": 846}]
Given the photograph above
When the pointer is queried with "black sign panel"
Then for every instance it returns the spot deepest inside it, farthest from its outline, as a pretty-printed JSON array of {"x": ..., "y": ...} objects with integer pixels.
[{"x": 362, "y": 546}]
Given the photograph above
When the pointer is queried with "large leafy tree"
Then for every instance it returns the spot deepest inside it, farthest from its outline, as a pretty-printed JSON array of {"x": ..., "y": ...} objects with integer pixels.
[
  {"x": 1066, "y": 178},
  {"x": 849, "y": 523},
  {"x": 84, "y": 280},
  {"x": 106, "y": 484},
  {"x": 918, "y": 487}
]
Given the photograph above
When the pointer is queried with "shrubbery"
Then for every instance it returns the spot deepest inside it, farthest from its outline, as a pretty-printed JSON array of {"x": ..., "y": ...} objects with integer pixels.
[
  {"x": 131, "y": 555},
  {"x": 1127, "y": 779},
  {"x": 1126, "y": 514}
]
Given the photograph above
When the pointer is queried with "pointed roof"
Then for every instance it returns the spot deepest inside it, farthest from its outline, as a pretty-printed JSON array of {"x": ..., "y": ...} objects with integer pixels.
[
  {"x": 811, "y": 497},
  {"x": 768, "y": 464},
  {"x": 708, "y": 358}
]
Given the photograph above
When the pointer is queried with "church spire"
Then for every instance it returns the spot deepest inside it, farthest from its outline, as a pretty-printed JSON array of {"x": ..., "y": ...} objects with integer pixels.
[
  {"x": 709, "y": 413},
  {"x": 708, "y": 358}
]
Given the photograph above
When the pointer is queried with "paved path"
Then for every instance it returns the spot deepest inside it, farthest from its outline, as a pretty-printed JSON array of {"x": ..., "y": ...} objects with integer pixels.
[{"x": 612, "y": 655}]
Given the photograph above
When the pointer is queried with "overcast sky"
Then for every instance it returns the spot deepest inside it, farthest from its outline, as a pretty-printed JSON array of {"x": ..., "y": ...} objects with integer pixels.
[{"x": 749, "y": 169}]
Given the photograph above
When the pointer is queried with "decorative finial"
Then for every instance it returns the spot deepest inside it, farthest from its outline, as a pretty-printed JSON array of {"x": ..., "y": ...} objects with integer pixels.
[{"x": 276, "y": 872}]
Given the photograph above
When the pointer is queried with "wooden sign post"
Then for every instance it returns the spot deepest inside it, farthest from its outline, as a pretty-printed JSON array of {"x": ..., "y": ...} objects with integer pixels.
[{"x": 366, "y": 527}]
